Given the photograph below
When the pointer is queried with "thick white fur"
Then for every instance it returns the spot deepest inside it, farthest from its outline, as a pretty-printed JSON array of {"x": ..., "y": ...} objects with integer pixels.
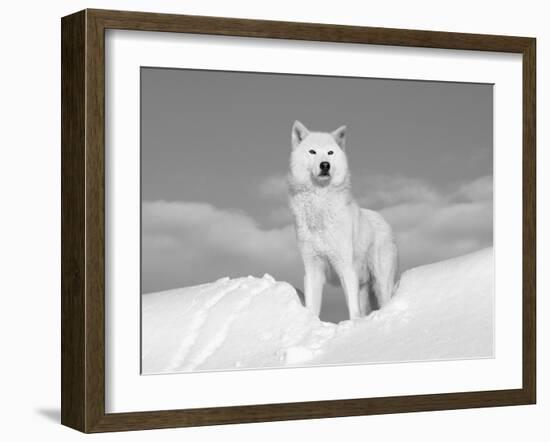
[{"x": 339, "y": 241}]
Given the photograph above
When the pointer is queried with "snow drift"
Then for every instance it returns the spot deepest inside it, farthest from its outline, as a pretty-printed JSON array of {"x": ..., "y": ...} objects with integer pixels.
[{"x": 440, "y": 311}]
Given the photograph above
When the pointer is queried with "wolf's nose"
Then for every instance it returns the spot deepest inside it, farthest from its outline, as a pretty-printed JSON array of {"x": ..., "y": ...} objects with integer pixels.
[{"x": 325, "y": 166}]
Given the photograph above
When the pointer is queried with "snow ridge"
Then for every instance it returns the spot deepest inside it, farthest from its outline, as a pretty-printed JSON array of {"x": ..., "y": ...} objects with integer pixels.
[
  {"x": 440, "y": 311},
  {"x": 243, "y": 293},
  {"x": 218, "y": 290}
]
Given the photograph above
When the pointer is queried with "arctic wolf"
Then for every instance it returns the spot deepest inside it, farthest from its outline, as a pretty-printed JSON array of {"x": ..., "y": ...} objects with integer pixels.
[{"x": 338, "y": 240}]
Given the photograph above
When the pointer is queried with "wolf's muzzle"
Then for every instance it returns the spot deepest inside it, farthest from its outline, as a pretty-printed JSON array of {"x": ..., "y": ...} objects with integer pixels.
[{"x": 325, "y": 167}]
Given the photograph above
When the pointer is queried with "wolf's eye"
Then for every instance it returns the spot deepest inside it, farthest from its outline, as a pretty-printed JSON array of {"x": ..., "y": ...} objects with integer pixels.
[
  {"x": 312, "y": 152},
  {"x": 330, "y": 152}
]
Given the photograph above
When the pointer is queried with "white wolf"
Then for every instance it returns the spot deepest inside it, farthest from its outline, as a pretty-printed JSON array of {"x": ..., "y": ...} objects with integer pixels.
[{"x": 338, "y": 240}]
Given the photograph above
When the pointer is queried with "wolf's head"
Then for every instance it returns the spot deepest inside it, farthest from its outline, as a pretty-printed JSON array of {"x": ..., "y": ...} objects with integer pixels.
[{"x": 318, "y": 158}]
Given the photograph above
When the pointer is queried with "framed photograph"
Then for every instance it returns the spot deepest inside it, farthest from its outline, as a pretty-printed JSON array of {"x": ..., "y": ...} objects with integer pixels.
[{"x": 269, "y": 220}]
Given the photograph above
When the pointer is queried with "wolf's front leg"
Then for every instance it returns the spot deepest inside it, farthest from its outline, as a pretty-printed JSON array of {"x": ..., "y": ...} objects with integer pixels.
[
  {"x": 314, "y": 281},
  {"x": 350, "y": 284}
]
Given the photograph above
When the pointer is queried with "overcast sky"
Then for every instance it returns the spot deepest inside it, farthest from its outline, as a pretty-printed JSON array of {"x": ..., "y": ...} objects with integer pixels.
[{"x": 215, "y": 151}]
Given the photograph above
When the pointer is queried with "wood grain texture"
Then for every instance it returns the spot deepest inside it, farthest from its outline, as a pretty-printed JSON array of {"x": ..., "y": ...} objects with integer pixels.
[
  {"x": 83, "y": 220},
  {"x": 145, "y": 21},
  {"x": 73, "y": 129},
  {"x": 95, "y": 221},
  {"x": 529, "y": 221}
]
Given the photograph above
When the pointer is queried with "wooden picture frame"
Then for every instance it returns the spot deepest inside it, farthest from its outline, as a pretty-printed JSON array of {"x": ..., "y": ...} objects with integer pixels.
[{"x": 83, "y": 220}]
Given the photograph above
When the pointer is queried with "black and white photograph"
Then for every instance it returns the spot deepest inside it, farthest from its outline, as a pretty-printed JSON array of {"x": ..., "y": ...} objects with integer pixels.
[
  {"x": 251, "y": 221},
  {"x": 301, "y": 220}
]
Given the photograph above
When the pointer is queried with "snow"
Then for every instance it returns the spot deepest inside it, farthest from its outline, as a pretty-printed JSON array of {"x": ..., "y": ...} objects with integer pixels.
[{"x": 440, "y": 311}]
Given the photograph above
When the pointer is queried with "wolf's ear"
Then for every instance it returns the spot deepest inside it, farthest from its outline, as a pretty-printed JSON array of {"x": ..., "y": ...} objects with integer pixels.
[
  {"x": 299, "y": 132},
  {"x": 339, "y": 136}
]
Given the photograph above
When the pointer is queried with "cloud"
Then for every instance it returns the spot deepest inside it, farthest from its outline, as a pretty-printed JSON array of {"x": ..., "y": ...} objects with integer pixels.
[
  {"x": 186, "y": 243},
  {"x": 387, "y": 190},
  {"x": 430, "y": 233},
  {"x": 280, "y": 216},
  {"x": 477, "y": 190},
  {"x": 275, "y": 187},
  {"x": 430, "y": 226}
]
